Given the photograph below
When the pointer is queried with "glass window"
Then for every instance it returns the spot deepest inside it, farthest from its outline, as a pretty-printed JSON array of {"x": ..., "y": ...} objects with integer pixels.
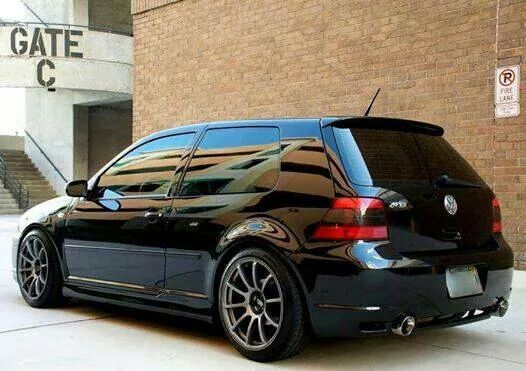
[
  {"x": 146, "y": 170},
  {"x": 234, "y": 160},
  {"x": 383, "y": 157}
]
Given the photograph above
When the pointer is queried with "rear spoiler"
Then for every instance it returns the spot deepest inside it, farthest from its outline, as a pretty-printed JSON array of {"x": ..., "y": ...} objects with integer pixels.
[{"x": 384, "y": 123}]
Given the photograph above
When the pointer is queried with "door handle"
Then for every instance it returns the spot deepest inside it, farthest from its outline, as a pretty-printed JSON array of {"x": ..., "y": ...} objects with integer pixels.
[{"x": 153, "y": 216}]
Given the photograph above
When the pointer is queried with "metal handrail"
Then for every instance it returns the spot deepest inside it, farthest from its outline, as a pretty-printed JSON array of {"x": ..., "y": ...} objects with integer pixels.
[
  {"x": 46, "y": 156},
  {"x": 91, "y": 28},
  {"x": 17, "y": 189}
]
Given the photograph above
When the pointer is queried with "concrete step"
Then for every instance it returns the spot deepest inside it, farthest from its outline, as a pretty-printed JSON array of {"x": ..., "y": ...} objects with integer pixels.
[
  {"x": 11, "y": 211},
  {"x": 21, "y": 166},
  {"x": 23, "y": 169}
]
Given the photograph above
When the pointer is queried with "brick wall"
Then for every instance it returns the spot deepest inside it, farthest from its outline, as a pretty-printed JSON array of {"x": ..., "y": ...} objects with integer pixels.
[{"x": 198, "y": 60}]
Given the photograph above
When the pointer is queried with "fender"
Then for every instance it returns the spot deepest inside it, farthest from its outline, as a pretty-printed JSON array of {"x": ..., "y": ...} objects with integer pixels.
[
  {"x": 270, "y": 230},
  {"x": 259, "y": 231},
  {"x": 48, "y": 217}
]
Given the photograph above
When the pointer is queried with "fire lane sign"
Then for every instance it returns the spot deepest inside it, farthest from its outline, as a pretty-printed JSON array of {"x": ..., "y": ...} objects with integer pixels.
[{"x": 507, "y": 80}]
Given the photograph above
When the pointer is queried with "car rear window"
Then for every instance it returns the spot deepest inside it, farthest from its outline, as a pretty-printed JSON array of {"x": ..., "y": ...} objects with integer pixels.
[{"x": 381, "y": 157}]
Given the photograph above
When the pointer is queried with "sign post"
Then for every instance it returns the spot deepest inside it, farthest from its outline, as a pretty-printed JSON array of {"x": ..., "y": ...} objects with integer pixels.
[{"x": 507, "y": 89}]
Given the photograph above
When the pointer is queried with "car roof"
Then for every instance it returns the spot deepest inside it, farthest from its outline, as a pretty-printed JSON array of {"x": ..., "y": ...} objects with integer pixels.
[
  {"x": 231, "y": 123},
  {"x": 325, "y": 121}
]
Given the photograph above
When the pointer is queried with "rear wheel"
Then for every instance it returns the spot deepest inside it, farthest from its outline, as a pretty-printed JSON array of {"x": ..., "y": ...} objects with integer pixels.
[
  {"x": 261, "y": 308},
  {"x": 38, "y": 271}
]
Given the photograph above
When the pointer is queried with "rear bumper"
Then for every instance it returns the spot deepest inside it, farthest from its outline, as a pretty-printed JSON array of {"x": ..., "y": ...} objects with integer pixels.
[{"x": 365, "y": 294}]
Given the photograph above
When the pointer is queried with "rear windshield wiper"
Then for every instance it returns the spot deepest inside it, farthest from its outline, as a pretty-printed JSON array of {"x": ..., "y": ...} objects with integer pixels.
[{"x": 444, "y": 181}]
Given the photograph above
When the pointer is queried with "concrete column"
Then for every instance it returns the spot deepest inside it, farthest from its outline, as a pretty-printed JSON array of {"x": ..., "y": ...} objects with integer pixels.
[{"x": 80, "y": 140}]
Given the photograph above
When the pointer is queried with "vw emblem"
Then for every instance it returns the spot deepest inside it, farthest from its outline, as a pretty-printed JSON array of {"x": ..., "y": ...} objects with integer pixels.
[{"x": 450, "y": 204}]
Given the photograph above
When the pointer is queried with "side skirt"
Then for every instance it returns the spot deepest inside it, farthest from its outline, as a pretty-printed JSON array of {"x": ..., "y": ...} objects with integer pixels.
[{"x": 135, "y": 302}]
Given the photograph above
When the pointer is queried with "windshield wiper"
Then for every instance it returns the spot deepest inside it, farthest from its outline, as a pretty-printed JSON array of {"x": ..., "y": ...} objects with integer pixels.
[{"x": 444, "y": 181}]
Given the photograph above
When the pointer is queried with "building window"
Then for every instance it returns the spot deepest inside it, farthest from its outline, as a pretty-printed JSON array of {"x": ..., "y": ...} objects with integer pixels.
[
  {"x": 234, "y": 160},
  {"x": 146, "y": 170}
]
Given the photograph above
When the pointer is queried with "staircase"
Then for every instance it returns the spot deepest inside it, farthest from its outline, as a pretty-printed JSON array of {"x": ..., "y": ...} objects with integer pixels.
[
  {"x": 8, "y": 204},
  {"x": 27, "y": 173}
]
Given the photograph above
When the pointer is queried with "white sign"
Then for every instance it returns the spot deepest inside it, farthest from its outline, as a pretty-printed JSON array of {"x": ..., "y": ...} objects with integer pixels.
[
  {"x": 507, "y": 80},
  {"x": 507, "y": 84},
  {"x": 507, "y": 110}
]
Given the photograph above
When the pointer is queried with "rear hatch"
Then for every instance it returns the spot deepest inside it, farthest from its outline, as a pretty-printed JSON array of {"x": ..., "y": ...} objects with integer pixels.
[{"x": 419, "y": 175}]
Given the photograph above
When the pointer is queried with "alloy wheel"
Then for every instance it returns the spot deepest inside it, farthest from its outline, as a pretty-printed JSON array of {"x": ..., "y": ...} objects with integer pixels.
[
  {"x": 252, "y": 303},
  {"x": 32, "y": 267}
]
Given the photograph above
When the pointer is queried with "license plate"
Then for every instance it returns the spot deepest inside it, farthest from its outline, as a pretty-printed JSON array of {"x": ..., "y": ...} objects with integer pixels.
[{"x": 463, "y": 281}]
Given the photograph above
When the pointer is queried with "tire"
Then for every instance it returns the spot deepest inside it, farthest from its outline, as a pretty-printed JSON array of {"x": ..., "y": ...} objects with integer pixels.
[
  {"x": 275, "y": 324},
  {"x": 37, "y": 257}
]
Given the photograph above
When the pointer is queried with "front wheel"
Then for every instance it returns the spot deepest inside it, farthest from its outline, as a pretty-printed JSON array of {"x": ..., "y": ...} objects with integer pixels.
[
  {"x": 38, "y": 271},
  {"x": 261, "y": 307}
]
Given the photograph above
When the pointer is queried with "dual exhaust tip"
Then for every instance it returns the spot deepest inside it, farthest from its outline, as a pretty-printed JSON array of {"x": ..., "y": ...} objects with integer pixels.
[
  {"x": 404, "y": 325},
  {"x": 501, "y": 308}
]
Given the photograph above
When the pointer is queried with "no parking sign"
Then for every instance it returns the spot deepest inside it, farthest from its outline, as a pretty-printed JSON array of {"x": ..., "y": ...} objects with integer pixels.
[{"x": 507, "y": 89}]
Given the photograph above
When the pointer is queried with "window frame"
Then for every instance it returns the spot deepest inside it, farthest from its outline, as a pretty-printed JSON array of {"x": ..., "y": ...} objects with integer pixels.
[
  {"x": 177, "y": 192},
  {"x": 168, "y": 193}
]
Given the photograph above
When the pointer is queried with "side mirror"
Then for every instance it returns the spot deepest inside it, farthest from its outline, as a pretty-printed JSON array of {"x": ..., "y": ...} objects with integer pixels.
[{"x": 77, "y": 188}]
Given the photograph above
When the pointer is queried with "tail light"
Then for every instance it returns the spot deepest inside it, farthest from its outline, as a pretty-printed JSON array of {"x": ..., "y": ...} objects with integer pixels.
[
  {"x": 353, "y": 218},
  {"x": 497, "y": 221}
]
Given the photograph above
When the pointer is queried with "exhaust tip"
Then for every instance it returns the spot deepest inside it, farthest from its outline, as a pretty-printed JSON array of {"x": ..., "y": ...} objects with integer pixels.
[
  {"x": 501, "y": 308},
  {"x": 404, "y": 325}
]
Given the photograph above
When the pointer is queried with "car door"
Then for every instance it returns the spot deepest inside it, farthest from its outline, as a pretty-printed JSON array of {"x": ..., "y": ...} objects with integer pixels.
[
  {"x": 228, "y": 176},
  {"x": 116, "y": 237}
]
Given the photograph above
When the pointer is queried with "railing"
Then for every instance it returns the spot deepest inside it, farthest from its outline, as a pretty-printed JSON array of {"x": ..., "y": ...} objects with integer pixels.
[
  {"x": 65, "y": 25},
  {"x": 17, "y": 189},
  {"x": 46, "y": 156}
]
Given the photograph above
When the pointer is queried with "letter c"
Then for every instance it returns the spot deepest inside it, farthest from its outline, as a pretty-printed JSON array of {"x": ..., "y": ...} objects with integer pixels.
[{"x": 40, "y": 67}]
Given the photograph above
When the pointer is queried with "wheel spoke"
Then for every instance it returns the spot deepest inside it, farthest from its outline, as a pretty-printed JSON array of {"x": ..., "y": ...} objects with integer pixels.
[
  {"x": 273, "y": 300},
  {"x": 29, "y": 248},
  {"x": 270, "y": 321},
  {"x": 237, "y": 305},
  {"x": 239, "y": 320},
  {"x": 243, "y": 278},
  {"x": 35, "y": 248},
  {"x": 265, "y": 281},
  {"x": 25, "y": 270},
  {"x": 25, "y": 258},
  {"x": 40, "y": 252},
  {"x": 26, "y": 280},
  {"x": 261, "y": 329},
  {"x": 254, "y": 279},
  {"x": 37, "y": 286},
  {"x": 249, "y": 329},
  {"x": 234, "y": 288},
  {"x": 31, "y": 286},
  {"x": 40, "y": 277}
]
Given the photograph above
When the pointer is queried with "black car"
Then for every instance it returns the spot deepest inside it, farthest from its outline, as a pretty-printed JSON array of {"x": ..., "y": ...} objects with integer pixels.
[{"x": 279, "y": 229}]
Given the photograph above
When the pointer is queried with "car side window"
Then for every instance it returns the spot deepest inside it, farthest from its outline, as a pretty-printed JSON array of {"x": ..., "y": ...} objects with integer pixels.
[
  {"x": 234, "y": 160},
  {"x": 146, "y": 170}
]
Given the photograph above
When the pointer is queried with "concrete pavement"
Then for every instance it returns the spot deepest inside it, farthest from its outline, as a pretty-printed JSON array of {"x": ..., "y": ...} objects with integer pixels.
[{"x": 87, "y": 336}]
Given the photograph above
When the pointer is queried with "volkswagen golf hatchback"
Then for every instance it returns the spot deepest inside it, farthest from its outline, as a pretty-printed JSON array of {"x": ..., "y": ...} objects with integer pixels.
[{"x": 278, "y": 230}]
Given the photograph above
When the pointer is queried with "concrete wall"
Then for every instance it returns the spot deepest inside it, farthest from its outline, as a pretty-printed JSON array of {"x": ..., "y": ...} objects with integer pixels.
[
  {"x": 106, "y": 63},
  {"x": 50, "y": 124},
  {"x": 13, "y": 111},
  {"x": 198, "y": 60},
  {"x": 50, "y": 121},
  {"x": 80, "y": 141},
  {"x": 110, "y": 131},
  {"x": 12, "y": 142}
]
